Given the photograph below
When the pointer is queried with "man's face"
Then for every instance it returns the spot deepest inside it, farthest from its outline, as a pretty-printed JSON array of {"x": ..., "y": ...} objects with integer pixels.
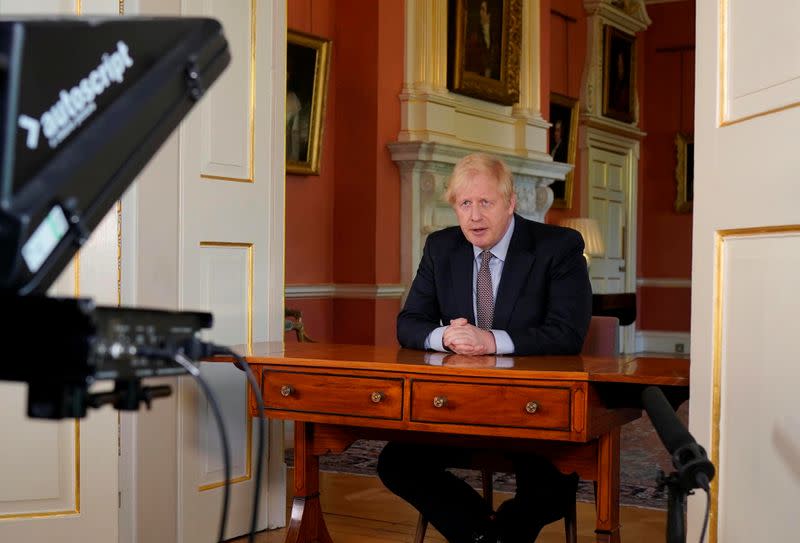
[{"x": 482, "y": 212}]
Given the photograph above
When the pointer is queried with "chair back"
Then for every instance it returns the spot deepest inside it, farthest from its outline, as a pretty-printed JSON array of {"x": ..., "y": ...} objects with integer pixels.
[{"x": 602, "y": 339}]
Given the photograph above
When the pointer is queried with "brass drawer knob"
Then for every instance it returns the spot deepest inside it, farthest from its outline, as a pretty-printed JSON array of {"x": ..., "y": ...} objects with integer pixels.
[
  {"x": 531, "y": 407},
  {"x": 287, "y": 390},
  {"x": 377, "y": 397},
  {"x": 439, "y": 401}
]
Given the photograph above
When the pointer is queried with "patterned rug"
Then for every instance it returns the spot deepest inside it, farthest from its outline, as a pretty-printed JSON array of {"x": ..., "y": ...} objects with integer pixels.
[{"x": 641, "y": 455}]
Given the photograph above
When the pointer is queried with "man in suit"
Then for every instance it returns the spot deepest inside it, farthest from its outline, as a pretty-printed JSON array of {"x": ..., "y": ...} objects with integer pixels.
[{"x": 496, "y": 284}]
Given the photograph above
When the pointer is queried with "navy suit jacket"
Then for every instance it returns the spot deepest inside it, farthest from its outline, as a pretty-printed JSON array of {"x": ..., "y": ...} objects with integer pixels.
[{"x": 544, "y": 300}]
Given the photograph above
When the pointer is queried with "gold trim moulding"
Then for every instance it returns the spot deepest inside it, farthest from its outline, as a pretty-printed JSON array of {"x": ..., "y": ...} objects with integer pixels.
[
  {"x": 46, "y": 514},
  {"x": 226, "y": 178}
]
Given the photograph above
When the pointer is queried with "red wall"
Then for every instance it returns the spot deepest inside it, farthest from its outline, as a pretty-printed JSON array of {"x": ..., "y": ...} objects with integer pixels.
[
  {"x": 309, "y": 209},
  {"x": 343, "y": 226},
  {"x": 562, "y": 62},
  {"x": 667, "y": 104},
  {"x": 665, "y": 58}
]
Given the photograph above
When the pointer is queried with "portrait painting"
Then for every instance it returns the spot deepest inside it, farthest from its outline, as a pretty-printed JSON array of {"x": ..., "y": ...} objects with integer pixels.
[
  {"x": 618, "y": 75},
  {"x": 563, "y": 144},
  {"x": 307, "y": 66},
  {"x": 684, "y": 173},
  {"x": 484, "y": 49}
]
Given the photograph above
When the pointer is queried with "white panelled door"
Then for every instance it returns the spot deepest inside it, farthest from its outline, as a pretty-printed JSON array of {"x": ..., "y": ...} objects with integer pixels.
[
  {"x": 745, "y": 262},
  {"x": 58, "y": 479},
  {"x": 231, "y": 255},
  {"x": 610, "y": 161},
  {"x": 607, "y": 205}
]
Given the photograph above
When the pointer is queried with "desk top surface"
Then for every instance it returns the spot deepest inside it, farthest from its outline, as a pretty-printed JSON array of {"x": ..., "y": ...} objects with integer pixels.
[{"x": 622, "y": 369}]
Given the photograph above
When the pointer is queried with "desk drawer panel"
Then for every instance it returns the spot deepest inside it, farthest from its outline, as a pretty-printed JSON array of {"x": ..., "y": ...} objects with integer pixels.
[
  {"x": 333, "y": 394},
  {"x": 491, "y": 405}
]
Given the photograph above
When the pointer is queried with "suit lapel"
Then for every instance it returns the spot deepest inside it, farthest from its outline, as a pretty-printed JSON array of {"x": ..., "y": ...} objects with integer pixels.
[
  {"x": 461, "y": 274},
  {"x": 519, "y": 260}
]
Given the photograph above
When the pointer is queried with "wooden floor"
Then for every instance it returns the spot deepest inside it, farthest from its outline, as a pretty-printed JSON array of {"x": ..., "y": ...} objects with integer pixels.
[{"x": 358, "y": 509}]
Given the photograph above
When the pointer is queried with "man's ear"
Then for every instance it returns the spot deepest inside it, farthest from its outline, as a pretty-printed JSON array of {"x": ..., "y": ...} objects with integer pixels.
[{"x": 513, "y": 202}]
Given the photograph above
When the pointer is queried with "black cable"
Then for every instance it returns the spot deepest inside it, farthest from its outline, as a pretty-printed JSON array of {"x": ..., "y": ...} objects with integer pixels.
[
  {"x": 242, "y": 363},
  {"x": 708, "y": 508},
  {"x": 187, "y": 364},
  {"x": 199, "y": 349}
]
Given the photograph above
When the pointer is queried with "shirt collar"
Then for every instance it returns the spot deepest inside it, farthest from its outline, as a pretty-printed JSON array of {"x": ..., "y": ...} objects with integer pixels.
[{"x": 500, "y": 250}]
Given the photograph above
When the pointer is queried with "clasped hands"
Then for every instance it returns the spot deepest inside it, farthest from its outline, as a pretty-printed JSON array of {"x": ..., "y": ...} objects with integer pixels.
[{"x": 464, "y": 338}]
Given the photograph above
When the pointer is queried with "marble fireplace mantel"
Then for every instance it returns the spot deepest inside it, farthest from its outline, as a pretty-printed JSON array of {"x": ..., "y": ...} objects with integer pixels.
[{"x": 425, "y": 168}]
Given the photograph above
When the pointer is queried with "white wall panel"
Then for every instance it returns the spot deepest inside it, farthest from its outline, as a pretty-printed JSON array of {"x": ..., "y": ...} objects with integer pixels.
[
  {"x": 40, "y": 7},
  {"x": 226, "y": 123},
  {"x": 48, "y": 490},
  {"x": 744, "y": 300},
  {"x": 759, "y": 444},
  {"x": 226, "y": 276},
  {"x": 231, "y": 254},
  {"x": 229, "y": 384},
  {"x": 762, "y": 68},
  {"x": 37, "y": 466}
]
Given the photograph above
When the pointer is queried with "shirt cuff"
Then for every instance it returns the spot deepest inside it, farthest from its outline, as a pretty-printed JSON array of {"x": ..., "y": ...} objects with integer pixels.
[
  {"x": 502, "y": 341},
  {"x": 434, "y": 340}
]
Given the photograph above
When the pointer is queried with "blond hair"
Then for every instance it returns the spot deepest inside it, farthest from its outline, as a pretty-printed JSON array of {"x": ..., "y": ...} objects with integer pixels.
[{"x": 476, "y": 164}]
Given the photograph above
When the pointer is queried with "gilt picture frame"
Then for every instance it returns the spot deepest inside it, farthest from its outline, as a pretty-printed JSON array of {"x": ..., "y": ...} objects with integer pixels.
[
  {"x": 307, "y": 68},
  {"x": 563, "y": 145},
  {"x": 684, "y": 173},
  {"x": 485, "y": 41}
]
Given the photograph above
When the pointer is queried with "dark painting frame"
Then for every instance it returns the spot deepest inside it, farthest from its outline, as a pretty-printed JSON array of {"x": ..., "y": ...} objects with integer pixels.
[
  {"x": 307, "y": 69},
  {"x": 484, "y": 57},
  {"x": 563, "y": 143},
  {"x": 619, "y": 74}
]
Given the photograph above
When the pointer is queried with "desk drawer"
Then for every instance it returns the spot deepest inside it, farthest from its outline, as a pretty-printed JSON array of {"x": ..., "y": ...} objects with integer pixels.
[
  {"x": 333, "y": 394},
  {"x": 491, "y": 405}
]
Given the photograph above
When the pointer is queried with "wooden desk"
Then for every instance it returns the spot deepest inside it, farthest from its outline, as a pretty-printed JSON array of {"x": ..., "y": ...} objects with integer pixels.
[{"x": 569, "y": 409}]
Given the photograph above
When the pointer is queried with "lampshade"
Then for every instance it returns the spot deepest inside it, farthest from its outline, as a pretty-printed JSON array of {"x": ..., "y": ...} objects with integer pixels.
[{"x": 590, "y": 230}]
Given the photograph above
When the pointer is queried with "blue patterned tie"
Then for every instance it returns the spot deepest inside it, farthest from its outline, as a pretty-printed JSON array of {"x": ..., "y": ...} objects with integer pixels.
[{"x": 485, "y": 303}]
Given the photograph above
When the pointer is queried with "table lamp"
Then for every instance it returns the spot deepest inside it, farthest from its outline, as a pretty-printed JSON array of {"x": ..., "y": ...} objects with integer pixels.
[{"x": 592, "y": 238}]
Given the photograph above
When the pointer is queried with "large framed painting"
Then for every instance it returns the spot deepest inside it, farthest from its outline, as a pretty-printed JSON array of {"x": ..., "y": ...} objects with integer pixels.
[
  {"x": 684, "y": 173},
  {"x": 619, "y": 74},
  {"x": 307, "y": 67},
  {"x": 563, "y": 144},
  {"x": 485, "y": 39}
]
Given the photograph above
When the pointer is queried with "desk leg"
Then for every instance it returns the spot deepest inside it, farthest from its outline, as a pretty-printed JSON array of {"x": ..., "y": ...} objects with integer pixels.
[
  {"x": 607, "y": 528},
  {"x": 307, "y": 524}
]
